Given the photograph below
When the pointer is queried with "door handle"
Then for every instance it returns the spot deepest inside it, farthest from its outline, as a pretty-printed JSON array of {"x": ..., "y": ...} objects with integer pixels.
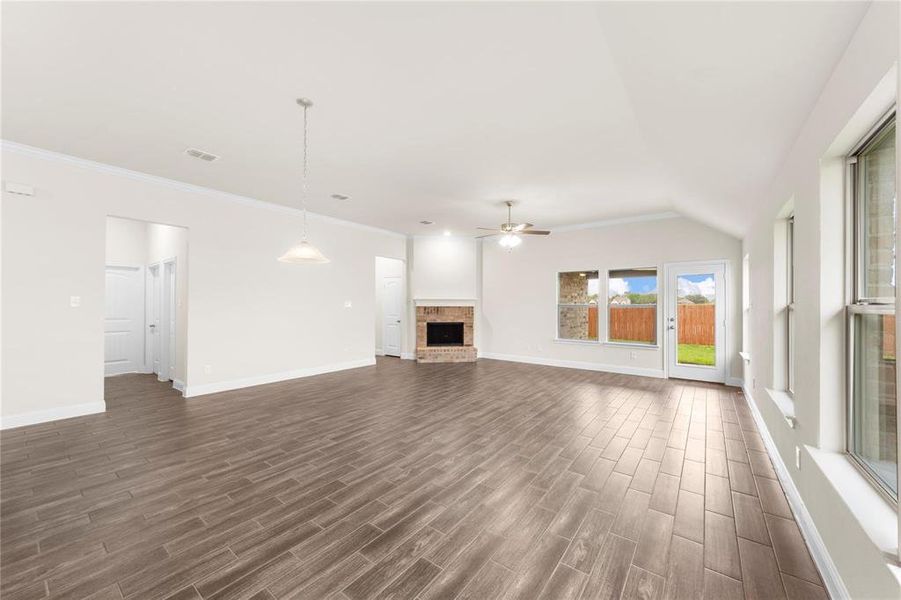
[
  {"x": 398, "y": 320},
  {"x": 670, "y": 326},
  {"x": 152, "y": 326}
]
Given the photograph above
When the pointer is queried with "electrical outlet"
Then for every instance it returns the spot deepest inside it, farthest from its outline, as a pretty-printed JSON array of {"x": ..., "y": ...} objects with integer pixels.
[
  {"x": 348, "y": 304},
  {"x": 207, "y": 369},
  {"x": 633, "y": 355},
  {"x": 798, "y": 457}
]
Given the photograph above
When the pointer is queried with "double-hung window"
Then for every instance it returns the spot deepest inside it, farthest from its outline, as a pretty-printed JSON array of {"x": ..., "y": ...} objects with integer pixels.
[
  {"x": 872, "y": 440},
  {"x": 577, "y": 305},
  {"x": 632, "y": 306},
  {"x": 790, "y": 303}
]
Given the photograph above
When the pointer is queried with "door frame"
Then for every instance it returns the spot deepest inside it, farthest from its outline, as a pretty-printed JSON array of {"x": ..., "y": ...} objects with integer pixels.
[
  {"x": 164, "y": 295},
  {"x": 148, "y": 315},
  {"x": 669, "y": 348},
  {"x": 169, "y": 313}
]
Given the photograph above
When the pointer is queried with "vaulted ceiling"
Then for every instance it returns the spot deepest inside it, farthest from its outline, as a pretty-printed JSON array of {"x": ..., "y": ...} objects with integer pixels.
[{"x": 435, "y": 111}]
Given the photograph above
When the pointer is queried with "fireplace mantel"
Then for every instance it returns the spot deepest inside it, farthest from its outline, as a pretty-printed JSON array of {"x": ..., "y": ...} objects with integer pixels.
[{"x": 444, "y": 302}]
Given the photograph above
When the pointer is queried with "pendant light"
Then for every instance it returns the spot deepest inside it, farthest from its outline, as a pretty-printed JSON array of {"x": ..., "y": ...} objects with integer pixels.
[{"x": 304, "y": 253}]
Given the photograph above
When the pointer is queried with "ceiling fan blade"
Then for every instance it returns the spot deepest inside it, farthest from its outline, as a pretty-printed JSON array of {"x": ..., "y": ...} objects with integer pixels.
[
  {"x": 488, "y": 229},
  {"x": 478, "y": 237},
  {"x": 535, "y": 232},
  {"x": 523, "y": 226}
]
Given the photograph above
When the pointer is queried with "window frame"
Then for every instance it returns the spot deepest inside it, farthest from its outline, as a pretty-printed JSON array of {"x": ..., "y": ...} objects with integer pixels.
[
  {"x": 790, "y": 305},
  {"x": 557, "y": 337},
  {"x": 858, "y": 303},
  {"x": 607, "y": 340}
]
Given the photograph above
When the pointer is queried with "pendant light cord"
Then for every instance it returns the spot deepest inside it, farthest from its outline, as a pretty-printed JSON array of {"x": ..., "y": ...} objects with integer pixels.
[{"x": 304, "y": 186}]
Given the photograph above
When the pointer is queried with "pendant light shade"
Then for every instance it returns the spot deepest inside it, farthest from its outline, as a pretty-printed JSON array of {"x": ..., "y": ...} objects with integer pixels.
[{"x": 304, "y": 253}]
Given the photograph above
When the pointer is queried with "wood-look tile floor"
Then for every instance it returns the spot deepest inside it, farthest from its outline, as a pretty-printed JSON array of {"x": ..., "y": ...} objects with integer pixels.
[{"x": 477, "y": 481}]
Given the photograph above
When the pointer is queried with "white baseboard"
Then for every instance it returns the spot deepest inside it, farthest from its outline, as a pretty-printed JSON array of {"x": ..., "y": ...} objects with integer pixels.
[
  {"x": 52, "y": 414},
  {"x": 236, "y": 384},
  {"x": 179, "y": 385},
  {"x": 407, "y": 356},
  {"x": 379, "y": 352},
  {"x": 575, "y": 364},
  {"x": 735, "y": 382},
  {"x": 831, "y": 577}
]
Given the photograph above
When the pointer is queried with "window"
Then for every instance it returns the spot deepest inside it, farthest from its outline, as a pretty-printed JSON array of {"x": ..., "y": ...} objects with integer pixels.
[
  {"x": 632, "y": 306},
  {"x": 872, "y": 406},
  {"x": 790, "y": 304},
  {"x": 577, "y": 305}
]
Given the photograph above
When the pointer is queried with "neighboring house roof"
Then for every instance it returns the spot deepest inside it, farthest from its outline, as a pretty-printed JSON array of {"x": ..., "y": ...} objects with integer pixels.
[{"x": 620, "y": 300}]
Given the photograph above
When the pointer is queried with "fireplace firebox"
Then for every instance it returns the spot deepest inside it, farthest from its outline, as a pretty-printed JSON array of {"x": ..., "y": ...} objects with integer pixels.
[{"x": 444, "y": 334}]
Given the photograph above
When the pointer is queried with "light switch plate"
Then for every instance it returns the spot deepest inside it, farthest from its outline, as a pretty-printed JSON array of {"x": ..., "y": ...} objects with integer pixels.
[
  {"x": 348, "y": 304},
  {"x": 74, "y": 301}
]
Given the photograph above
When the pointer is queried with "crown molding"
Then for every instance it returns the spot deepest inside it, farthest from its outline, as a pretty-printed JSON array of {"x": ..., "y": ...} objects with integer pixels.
[{"x": 26, "y": 150}]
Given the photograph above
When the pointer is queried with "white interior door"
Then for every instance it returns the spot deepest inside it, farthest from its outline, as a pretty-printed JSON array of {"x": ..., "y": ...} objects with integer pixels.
[
  {"x": 169, "y": 326},
  {"x": 153, "y": 316},
  {"x": 123, "y": 324},
  {"x": 696, "y": 321},
  {"x": 392, "y": 311}
]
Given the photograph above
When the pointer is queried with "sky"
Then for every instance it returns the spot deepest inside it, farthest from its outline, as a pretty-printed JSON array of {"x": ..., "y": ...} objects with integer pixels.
[
  {"x": 618, "y": 286},
  {"x": 697, "y": 284}
]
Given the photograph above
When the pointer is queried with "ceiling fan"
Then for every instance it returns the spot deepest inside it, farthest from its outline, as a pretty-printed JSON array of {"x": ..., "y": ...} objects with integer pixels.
[{"x": 511, "y": 231}]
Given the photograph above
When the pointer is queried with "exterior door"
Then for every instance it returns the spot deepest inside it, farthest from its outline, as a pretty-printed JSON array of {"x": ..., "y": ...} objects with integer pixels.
[
  {"x": 392, "y": 309},
  {"x": 696, "y": 321},
  {"x": 123, "y": 323}
]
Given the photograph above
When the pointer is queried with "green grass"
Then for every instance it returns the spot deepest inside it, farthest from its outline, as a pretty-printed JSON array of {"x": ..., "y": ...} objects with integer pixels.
[{"x": 696, "y": 354}]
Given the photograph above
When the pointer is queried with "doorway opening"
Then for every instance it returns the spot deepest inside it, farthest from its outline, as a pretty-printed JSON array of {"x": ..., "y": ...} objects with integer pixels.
[
  {"x": 145, "y": 315},
  {"x": 391, "y": 306},
  {"x": 696, "y": 320}
]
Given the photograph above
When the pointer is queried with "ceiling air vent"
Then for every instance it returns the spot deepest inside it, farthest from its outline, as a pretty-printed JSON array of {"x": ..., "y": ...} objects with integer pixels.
[{"x": 201, "y": 154}]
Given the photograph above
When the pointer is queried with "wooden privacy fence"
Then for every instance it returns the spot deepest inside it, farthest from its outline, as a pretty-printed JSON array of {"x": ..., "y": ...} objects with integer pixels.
[
  {"x": 635, "y": 323},
  {"x": 697, "y": 324},
  {"x": 638, "y": 323}
]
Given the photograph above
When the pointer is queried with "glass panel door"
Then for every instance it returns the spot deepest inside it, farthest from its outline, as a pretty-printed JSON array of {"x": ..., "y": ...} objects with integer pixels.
[{"x": 695, "y": 321}]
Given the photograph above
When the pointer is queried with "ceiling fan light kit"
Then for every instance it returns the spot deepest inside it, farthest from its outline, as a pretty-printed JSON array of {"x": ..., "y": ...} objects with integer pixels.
[
  {"x": 511, "y": 232},
  {"x": 304, "y": 253}
]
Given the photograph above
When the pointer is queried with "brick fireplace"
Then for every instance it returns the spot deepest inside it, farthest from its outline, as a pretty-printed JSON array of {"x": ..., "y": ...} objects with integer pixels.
[{"x": 445, "y": 345}]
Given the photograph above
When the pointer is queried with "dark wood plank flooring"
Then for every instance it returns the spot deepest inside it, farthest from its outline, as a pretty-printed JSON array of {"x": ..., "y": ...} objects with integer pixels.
[{"x": 486, "y": 480}]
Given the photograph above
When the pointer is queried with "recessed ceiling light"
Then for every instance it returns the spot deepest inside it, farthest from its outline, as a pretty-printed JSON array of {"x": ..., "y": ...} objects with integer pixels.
[
  {"x": 447, "y": 232},
  {"x": 207, "y": 156},
  {"x": 340, "y": 197},
  {"x": 427, "y": 222}
]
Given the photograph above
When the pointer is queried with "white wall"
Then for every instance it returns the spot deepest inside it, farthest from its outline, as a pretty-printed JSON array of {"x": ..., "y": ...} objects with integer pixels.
[
  {"x": 126, "y": 242},
  {"x": 856, "y": 527},
  {"x": 519, "y": 289},
  {"x": 386, "y": 267},
  {"x": 444, "y": 268},
  {"x": 251, "y": 318}
]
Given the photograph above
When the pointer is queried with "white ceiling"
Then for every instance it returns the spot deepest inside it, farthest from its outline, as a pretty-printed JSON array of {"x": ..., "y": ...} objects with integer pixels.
[{"x": 582, "y": 111}]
